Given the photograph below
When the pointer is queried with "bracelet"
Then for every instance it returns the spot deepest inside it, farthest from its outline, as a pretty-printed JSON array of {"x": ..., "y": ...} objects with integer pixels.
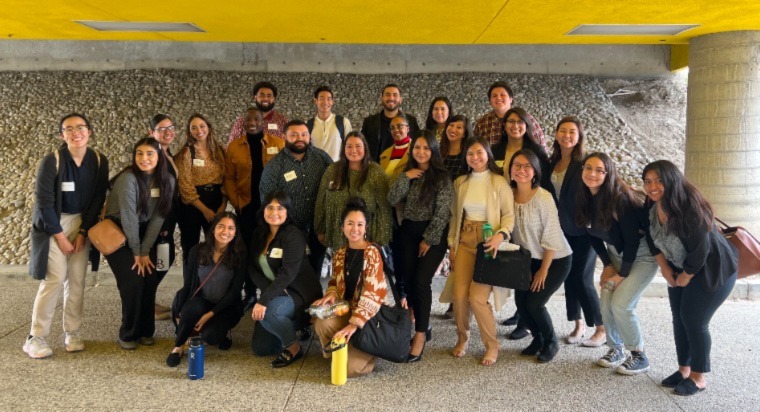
[{"x": 83, "y": 232}]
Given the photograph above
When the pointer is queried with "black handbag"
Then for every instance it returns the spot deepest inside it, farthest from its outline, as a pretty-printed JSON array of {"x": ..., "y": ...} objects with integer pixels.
[
  {"x": 387, "y": 334},
  {"x": 509, "y": 269}
]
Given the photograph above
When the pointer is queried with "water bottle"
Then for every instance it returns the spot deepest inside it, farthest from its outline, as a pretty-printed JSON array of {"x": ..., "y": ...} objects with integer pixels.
[
  {"x": 487, "y": 233},
  {"x": 162, "y": 255},
  {"x": 339, "y": 369},
  {"x": 195, "y": 359}
]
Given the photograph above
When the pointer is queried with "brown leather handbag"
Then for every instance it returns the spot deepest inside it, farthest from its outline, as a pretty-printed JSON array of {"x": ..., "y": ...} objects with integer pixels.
[
  {"x": 106, "y": 235},
  {"x": 747, "y": 245}
]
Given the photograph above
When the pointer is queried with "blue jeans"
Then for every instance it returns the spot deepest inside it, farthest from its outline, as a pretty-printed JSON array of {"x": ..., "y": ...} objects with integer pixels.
[
  {"x": 279, "y": 327},
  {"x": 619, "y": 306}
]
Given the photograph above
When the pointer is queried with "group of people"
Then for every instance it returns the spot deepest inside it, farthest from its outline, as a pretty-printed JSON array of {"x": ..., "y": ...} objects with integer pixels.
[{"x": 304, "y": 190}]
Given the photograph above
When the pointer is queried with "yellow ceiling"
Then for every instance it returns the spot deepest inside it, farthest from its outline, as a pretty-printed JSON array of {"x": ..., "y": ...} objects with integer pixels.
[{"x": 377, "y": 22}]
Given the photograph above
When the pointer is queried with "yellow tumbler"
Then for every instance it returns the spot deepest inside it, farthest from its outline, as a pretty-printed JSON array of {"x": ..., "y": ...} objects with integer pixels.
[{"x": 339, "y": 349}]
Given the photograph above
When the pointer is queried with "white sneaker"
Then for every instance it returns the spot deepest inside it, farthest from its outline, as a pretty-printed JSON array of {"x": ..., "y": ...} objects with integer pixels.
[
  {"x": 73, "y": 342},
  {"x": 37, "y": 348}
]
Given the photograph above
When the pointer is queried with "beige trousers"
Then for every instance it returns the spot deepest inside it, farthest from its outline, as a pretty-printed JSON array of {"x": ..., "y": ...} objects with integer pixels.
[
  {"x": 470, "y": 297},
  {"x": 359, "y": 363},
  {"x": 65, "y": 273}
]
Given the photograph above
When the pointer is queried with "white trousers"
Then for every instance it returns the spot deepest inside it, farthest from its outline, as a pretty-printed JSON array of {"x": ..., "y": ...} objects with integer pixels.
[{"x": 65, "y": 273}]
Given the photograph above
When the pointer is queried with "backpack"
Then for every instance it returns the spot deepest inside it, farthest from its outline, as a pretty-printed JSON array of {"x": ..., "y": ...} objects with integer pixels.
[{"x": 338, "y": 124}]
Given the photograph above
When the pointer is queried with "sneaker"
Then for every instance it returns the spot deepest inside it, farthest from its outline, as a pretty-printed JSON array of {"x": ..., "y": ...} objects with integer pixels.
[
  {"x": 612, "y": 358},
  {"x": 636, "y": 363},
  {"x": 146, "y": 340},
  {"x": 37, "y": 348},
  {"x": 126, "y": 345},
  {"x": 73, "y": 342}
]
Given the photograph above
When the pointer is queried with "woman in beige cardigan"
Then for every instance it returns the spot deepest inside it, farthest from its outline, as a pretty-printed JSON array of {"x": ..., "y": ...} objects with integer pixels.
[{"x": 482, "y": 195}]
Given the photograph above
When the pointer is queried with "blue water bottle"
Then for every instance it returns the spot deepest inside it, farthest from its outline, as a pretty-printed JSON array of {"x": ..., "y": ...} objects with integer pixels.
[{"x": 195, "y": 358}]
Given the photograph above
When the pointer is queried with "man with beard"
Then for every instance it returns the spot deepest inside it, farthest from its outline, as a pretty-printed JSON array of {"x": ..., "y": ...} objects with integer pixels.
[
  {"x": 491, "y": 125},
  {"x": 377, "y": 128},
  {"x": 297, "y": 170},
  {"x": 264, "y": 98},
  {"x": 244, "y": 162}
]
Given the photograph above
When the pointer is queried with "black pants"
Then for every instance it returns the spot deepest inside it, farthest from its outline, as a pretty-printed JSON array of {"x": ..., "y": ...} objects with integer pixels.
[
  {"x": 580, "y": 292},
  {"x": 167, "y": 232},
  {"x": 215, "y": 329},
  {"x": 316, "y": 252},
  {"x": 138, "y": 294},
  {"x": 191, "y": 220},
  {"x": 692, "y": 310},
  {"x": 532, "y": 305},
  {"x": 247, "y": 220},
  {"x": 418, "y": 271},
  {"x": 395, "y": 255}
]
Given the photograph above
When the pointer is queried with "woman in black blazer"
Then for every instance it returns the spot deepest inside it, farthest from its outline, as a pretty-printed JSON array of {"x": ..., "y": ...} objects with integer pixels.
[
  {"x": 279, "y": 268},
  {"x": 688, "y": 246},
  {"x": 563, "y": 182}
]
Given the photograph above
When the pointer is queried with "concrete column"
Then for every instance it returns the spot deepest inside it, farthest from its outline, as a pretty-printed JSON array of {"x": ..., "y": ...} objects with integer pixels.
[{"x": 723, "y": 124}]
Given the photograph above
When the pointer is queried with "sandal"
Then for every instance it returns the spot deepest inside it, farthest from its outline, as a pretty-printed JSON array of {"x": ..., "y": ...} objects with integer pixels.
[
  {"x": 489, "y": 360},
  {"x": 459, "y": 350},
  {"x": 687, "y": 387},
  {"x": 286, "y": 358},
  {"x": 673, "y": 380}
]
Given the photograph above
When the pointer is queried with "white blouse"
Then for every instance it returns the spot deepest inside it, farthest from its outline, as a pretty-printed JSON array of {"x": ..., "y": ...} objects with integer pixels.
[{"x": 537, "y": 227}]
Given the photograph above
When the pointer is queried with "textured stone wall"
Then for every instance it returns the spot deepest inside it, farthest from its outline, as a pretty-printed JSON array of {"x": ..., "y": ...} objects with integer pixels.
[
  {"x": 723, "y": 130},
  {"x": 119, "y": 104}
]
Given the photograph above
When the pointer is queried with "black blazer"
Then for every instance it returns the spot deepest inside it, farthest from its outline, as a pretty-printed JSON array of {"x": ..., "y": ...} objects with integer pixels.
[
  {"x": 626, "y": 234},
  {"x": 371, "y": 131},
  {"x": 191, "y": 283},
  {"x": 293, "y": 273},
  {"x": 566, "y": 202}
]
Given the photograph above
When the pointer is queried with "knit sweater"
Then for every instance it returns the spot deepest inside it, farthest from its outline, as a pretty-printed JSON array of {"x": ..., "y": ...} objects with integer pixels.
[{"x": 368, "y": 296}]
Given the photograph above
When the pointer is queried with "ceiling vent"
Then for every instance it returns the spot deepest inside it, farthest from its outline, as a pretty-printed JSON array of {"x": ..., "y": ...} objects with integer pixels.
[
  {"x": 129, "y": 26},
  {"x": 630, "y": 29}
]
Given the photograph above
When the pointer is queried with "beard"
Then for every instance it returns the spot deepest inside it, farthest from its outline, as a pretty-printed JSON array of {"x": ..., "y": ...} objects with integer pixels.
[
  {"x": 266, "y": 107},
  {"x": 295, "y": 149}
]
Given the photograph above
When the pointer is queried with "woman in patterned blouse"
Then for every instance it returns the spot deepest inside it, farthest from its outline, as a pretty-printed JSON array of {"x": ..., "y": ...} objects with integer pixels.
[
  {"x": 358, "y": 278},
  {"x": 458, "y": 130},
  {"x": 423, "y": 193},
  {"x": 200, "y": 165},
  {"x": 537, "y": 229}
]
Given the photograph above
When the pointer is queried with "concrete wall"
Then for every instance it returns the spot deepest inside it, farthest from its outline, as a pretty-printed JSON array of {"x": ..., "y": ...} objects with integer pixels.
[
  {"x": 593, "y": 60},
  {"x": 723, "y": 124}
]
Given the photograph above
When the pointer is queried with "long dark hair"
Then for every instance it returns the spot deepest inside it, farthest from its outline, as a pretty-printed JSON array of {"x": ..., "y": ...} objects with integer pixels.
[
  {"x": 430, "y": 123},
  {"x": 445, "y": 143},
  {"x": 483, "y": 142},
  {"x": 611, "y": 199},
  {"x": 523, "y": 115},
  {"x": 234, "y": 256},
  {"x": 578, "y": 149},
  {"x": 436, "y": 174},
  {"x": 162, "y": 180},
  {"x": 340, "y": 172},
  {"x": 260, "y": 235},
  {"x": 212, "y": 145},
  {"x": 687, "y": 209},
  {"x": 534, "y": 163}
]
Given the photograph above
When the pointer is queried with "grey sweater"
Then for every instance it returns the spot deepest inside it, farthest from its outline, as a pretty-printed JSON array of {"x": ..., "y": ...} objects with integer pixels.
[
  {"x": 122, "y": 206},
  {"x": 407, "y": 192}
]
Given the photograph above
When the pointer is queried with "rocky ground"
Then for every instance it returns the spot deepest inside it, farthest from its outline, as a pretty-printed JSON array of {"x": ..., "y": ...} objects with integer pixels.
[{"x": 646, "y": 124}]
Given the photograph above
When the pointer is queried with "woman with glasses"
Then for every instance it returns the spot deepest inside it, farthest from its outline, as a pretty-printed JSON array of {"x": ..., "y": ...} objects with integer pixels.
[
  {"x": 538, "y": 230},
  {"x": 163, "y": 130},
  {"x": 580, "y": 292},
  {"x": 698, "y": 263},
  {"x": 200, "y": 164},
  {"x": 69, "y": 192},
  {"x": 614, "y": 215},
  {"x": 438, "y": 115},
  {"x": 393, "y": 159},
  {"x": 354, "y": 174}
]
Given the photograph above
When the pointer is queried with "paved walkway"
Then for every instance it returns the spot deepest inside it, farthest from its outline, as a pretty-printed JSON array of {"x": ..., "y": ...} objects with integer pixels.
[{"x": 104, "y": 377}]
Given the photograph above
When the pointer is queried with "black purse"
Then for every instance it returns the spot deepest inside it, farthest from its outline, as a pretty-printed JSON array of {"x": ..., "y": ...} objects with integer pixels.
[
  {"x": 386, "y": 335},
  {"x": 509, "y": 269}
]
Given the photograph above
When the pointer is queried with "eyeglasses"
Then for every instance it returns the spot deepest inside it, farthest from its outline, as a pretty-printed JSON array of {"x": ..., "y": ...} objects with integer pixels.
[
  {"x": 518, "y": 166},
  {"x": 70, "y": 129},
  {"x": 591, "y": 169},
  {"x": 165, "y": 129},
  {"x": 516, "y": 122},
  {"x": 399, "y": 126}
]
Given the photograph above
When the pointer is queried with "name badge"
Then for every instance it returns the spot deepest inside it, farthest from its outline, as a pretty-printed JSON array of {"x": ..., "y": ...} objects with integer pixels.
[
  {"x": 500, "y": 164},
  {"x": 272, "y": 126},
  {"x": 272, "y": 150},
  {"x": 67, "y": 186},
  {"x": 199, "y": 162},
  {"x": 276, "y": 253},
  {"x": 291, "y": 175},
  {"x": 155, "y": 192}
]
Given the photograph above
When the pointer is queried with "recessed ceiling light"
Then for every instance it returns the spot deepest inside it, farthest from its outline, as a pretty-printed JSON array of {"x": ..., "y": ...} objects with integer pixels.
[
  {"x": 140, "y": 26},
  {"x": 630, "y": 29}
]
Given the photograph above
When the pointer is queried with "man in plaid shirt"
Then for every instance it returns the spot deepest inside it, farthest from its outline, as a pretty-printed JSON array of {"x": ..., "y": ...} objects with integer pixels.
[{"x": 491, "y": 125}]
